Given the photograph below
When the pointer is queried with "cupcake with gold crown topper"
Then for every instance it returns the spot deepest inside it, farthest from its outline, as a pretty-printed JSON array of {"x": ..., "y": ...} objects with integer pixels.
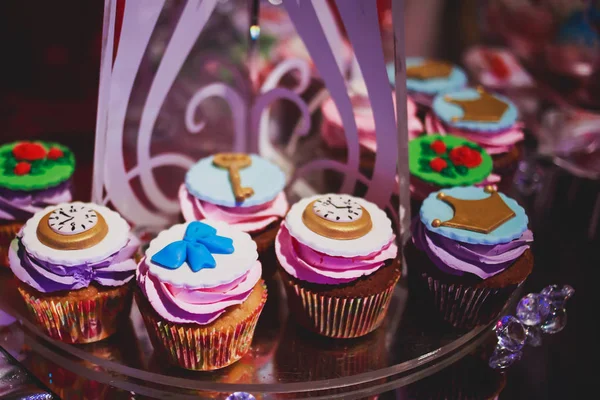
[
  {"x": 74, "y": 262},
  {"x": 485, "y": 118},
  {"x": 339, "y": 264},
  {"x": 469, "y": 252},
  {"x": 200, "y": 293},
  {"x": 242, "y": 190},
  {"x": 437, "y": 161},
  {"x": 33, "y": 175},
  {"x": 426, "y": 78}
]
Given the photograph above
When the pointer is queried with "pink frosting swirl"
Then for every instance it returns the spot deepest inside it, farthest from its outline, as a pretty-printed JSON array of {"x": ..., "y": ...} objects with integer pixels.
[
  {"x": 247, "y": 219},
  {"x": 198, "y": 306},
  {"x": 493, "y": 143},
  {"x": 306, "y": 264},
  {"x": 333, "y": 132}
]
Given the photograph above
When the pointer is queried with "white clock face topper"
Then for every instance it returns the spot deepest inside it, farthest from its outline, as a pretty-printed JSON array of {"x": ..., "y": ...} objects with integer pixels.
[
  {"x": 338, "y": 208},
  {"x": 72, "y": 219}
]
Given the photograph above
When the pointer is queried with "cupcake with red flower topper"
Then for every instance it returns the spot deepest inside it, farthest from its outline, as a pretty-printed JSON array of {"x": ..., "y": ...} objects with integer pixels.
[
  {"x": 437, "y": 161},
  {"x": 33, "y": 176},
  {"x": 488, "y": 119}
]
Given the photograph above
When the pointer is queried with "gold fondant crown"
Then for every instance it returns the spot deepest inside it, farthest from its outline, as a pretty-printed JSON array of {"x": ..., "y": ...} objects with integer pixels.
[
  {"x": 429, "y": 69},
  {"x": 481, "y": 216},
  {"x": 485, "y": 108}
]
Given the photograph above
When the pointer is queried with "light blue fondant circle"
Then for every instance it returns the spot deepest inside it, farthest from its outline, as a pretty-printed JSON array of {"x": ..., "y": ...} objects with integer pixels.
[
  {"x": 433, "y": 208},
  {"x": 446, "y": 111},
  {"x": 456, "y": 80},
  {"x": 210, "y": 183}
]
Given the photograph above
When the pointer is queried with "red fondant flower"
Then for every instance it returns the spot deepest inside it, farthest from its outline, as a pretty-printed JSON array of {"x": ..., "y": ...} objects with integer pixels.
[
  {"x": 438, "y": 164},
  {"x": 22, "y": 168},
  {"x": 55, "y": 153},
  {"x": 463, "y": 155},
  {"x": 29, "y": 151},
  {"x": 438, "y": 146}
]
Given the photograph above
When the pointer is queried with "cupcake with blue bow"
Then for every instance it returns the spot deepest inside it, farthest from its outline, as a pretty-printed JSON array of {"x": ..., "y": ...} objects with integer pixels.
[
  {"x": 470, "y": 250},
  {"x": 244, "y": 191},
  {"x": 200, "y": 294}
]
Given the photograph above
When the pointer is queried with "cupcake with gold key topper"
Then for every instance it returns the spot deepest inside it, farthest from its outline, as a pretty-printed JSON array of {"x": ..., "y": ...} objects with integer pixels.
[
  {"x": 470, "y": 251},
  {"x": 243, "y": 190},
  {"x": 74, "y": 264},
  {"x": 338, "y": 263}
]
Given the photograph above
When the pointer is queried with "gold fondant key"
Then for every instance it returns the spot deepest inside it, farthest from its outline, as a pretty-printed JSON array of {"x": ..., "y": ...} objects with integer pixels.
[{"x": 233, "y": 162}]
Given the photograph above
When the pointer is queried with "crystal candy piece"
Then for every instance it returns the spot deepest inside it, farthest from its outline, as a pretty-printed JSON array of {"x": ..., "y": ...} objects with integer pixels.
[
  {"x": 558, "y": 295},
  {"x": 556, "y": 321},
  {"x": 533, "y": 309},
  {"x": 511, "y": 333},
  {"x": 240, "y": 396},
  {"x": 503, "y": 358},
  {"x": 534, "y": 336}
]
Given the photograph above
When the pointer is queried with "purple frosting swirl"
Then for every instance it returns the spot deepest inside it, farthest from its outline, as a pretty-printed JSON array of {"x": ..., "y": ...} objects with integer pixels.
[
  {"x": 457, "y": 258},
  {"x": 115, "y": 270},
  {"x": 17, "y": 205}
]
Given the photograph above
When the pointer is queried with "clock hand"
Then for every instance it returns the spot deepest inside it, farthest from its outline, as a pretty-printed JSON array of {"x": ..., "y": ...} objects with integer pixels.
[
  {"x": 63, "y": 213},
  {"x": 65, "y": 221}
]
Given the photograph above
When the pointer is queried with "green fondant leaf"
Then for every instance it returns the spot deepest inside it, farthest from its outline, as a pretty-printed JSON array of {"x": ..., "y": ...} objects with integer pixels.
[
  {"x": 425, "y": 168},
  {"x": 461, "y": 169},
  {"x": 424, "y": 161},
  {"x": 448, "y": 172}
]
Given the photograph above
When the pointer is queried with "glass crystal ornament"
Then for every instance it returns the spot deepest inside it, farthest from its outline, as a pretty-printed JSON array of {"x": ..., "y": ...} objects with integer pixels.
[
  {"x": 556, "y": 321},
  {"x": 558, "y": 295},
  {"x": 511, "y": 333},
  {"x": 503, "y": 358},
  {"x": 534, "y": 336},
  {"x": 537, "y": 313},
  {"x": 533, "y": 309},
  {"x": 240, "y": 396}
]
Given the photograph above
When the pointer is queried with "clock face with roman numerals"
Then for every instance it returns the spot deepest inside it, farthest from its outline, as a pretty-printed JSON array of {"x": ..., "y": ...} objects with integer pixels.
[
  {"x": 72, "y": 219},
  {"x": 338, "y": 208}
]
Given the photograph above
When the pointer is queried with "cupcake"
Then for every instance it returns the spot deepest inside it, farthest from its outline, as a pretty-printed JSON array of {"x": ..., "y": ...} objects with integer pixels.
[
  {"x": 338, "y": 263},
  {"x": 200, "y": 294},
  {"x": 426, "y": 78},
  {"x": 33, "y": 175},
  {"x": 437, "y": 162},
  {"x": 334, "y": 135},
  {"x": 469, "y": 252},
  {"x": 248, "y": 196},
  {"x": 74, "y": 262},
  {"x": 488, "y": 119}
]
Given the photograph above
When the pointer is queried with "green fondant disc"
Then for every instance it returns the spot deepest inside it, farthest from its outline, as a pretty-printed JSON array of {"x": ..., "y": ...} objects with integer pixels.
[
  {"x": 420, "y": 155},
  {"x": 44, "y": 173}
]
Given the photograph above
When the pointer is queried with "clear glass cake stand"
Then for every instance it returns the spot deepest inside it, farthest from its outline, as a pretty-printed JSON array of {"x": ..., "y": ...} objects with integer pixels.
[{"x": 285, "y": 361}]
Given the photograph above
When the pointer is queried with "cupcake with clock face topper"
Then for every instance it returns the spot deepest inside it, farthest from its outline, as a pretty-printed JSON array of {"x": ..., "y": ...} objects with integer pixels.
[
  {"x": 74, "y": 263},
  {"x": 338, "y": 262},
  {"x": 202, "y": 279},
  {"x": 33, "y": 175},
  {"x": 242, "y": 190}
]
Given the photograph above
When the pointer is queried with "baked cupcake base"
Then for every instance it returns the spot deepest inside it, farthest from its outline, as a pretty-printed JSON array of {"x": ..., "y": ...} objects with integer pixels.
[
  {"x": 79, "y": 316},
  {"x": 265, "y": 245},
  {"x": 8, "y": 231},
  {"x": 205, "y": 347},
  {"x": 465, "y": 301},
  {"x": 348, "y": 310}
]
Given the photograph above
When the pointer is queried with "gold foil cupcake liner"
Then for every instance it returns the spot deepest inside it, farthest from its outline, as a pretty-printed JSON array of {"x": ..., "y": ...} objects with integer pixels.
[
  {"x": 464, "y": 306},
  {"x": 193, "y": 347},
  {"x": 7, "y": 234},
  {"x": 339, "y": 317},
  {"x": 79, "y": 320}
]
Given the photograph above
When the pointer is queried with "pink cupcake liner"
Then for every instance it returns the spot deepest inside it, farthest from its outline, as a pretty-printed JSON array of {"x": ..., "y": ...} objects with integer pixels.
[
  {"x": 339, "y": 317},
  {"x": 80, "y": 321},
  {"x": 194, "y": 347}
]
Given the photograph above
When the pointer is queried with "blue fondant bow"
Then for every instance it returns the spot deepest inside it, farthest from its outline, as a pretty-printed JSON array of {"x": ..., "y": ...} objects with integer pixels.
[{"x": 199, "y": 241}]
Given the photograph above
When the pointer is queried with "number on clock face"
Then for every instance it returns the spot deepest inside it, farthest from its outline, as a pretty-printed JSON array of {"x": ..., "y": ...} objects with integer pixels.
[
  {"x": 71, "y": 219},
  {"x": 338, "y": 208}
]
